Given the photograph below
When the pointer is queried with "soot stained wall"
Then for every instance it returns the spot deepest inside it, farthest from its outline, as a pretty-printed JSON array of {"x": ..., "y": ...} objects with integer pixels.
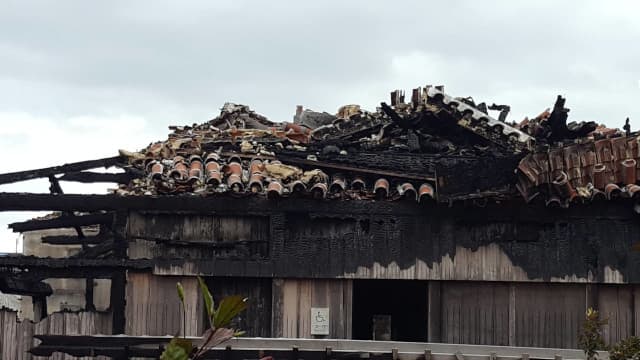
[
  {"x": 583, "y": 243},
  {"x": 544, "y": 248}
]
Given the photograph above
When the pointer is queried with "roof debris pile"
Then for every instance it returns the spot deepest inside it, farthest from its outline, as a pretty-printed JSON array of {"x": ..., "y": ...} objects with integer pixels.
[{"x": 423, "y": 149}]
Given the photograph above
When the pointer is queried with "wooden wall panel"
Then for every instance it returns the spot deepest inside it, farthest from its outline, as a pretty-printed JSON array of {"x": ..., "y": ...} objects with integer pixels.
[
  {"x": 164, "y": 235},
  {"x": 16, "y": 337},
  {"x": 549, "y": 315},
  {"x": 294, "y": 298},
  {"x": 256, "y": 319},
  {"x": 615, "y": 304},
  {"x": 475, "y": 313},
  {"x": 153, "y": 307}
]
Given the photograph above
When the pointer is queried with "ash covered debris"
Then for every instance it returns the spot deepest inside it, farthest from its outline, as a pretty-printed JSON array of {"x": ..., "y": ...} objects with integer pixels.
[{"x": 433, "y": 147}]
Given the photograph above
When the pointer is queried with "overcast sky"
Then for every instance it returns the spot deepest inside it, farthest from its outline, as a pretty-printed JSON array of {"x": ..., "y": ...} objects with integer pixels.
[{"x": 80, "y": 79}]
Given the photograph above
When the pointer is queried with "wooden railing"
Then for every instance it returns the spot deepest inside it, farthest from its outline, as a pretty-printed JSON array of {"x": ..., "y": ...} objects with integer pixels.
[{"x": 124, "y": 347}]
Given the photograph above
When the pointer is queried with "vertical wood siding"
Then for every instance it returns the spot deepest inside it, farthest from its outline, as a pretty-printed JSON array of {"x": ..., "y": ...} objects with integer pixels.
[
  {"x": 153, "y": 307},
  {"x": 294, "y": 298},
  {"x": 16, "y": 337}
]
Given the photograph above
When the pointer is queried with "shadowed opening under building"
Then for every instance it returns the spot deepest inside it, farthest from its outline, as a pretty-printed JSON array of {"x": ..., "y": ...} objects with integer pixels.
[{"x": 390, "y": 310}]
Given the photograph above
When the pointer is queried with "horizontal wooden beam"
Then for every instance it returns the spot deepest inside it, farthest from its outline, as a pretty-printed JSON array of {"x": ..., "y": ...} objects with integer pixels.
[
  {"x": 224, "y": 203},
  {"x": 506, "y": 210},
  {"x": 93, "y": 177},
  {"x": 11, "y": 284},
  {"x": 308, "y": 349},
  {"x": 65, "y": 221},
  {"x": 75, "y": 240},
  {"x": 46, "y": 172},
  {"x": 79, "y": 268}
]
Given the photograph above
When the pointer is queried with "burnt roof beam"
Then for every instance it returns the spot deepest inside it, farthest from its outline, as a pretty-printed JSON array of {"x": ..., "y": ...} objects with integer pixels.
[
  {"x": 15, "y": 284},
  {"x": 80, "y": 202},
  {"x": 95, "y": 251},
  {"x": 73, "y": 268},
  {"x": 8, "y": 178},
  {"x": 94, "y": 177},
  {"x": 75, "y": 240},
  {"x": 65, "y": 221}
]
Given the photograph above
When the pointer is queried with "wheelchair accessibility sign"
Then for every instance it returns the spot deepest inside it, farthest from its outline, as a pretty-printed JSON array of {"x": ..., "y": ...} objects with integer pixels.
[{"x": 319, "y": 321}]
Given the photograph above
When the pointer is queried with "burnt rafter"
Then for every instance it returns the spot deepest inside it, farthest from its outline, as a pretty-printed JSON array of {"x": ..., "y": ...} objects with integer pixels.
[
  {"x": 93, "y": 177},
  {"x": 65, "y": 221},
  {"x": 55, "y": 188},
  {"x": 54, "y": 170},
  {"x": 92, "y": 252},
  {"x": 75, "y": 240}
]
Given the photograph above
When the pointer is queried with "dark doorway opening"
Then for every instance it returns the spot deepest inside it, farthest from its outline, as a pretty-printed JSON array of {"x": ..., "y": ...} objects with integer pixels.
[{"x": 390, "y": 309}]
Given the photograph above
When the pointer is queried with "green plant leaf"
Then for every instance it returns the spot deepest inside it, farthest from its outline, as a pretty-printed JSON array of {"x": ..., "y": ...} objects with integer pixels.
[
  {"x": 229, "y": 308},
  {"x": 180, "y": 290},
  {"x": 177, "y": 349},
  {"x": 208, "y": 299}
]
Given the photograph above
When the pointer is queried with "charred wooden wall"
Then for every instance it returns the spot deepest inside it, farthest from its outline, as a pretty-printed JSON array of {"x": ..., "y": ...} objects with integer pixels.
[
  {"x": 505, "y": 275},
  {"x": 503, "y": 243},
  {"x": 256, "y": 319}
]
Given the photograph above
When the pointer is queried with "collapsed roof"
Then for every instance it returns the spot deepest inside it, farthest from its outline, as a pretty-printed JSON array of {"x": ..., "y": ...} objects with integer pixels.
[{"x": 433, "y": 147}]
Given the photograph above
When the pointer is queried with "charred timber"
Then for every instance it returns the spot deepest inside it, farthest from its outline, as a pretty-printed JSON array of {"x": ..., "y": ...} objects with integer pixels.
[
  {"x": 72, "y": 167},
  {"x": 68, "y": 221},
  {"x": 221, "y": 204},
  {"x": 93, "y": 177},
  {"x": 512, "y": 208},
  {"x": 204, "y": 244},
  {"x": 75, "y": 240},
  {"x": 96, "y": 251},
  {"x": 43, "y": 268},
  {"x": 27, "y": 287},
  {"x": 55, "y": 188}
]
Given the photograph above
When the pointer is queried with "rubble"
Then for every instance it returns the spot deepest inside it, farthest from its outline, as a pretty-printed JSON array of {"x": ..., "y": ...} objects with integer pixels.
[{"x": 413, "y": 150}]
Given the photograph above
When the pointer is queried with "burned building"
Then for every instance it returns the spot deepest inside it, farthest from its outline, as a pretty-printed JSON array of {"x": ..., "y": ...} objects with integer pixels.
[{"x": 425, "y": 220}]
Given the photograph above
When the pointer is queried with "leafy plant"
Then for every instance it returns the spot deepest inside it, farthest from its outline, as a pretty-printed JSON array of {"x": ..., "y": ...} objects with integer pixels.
[
  {"x": 219, "y": 321},
  {"x": 626, "y": 349},
  {"x": 590, "y": 338}
]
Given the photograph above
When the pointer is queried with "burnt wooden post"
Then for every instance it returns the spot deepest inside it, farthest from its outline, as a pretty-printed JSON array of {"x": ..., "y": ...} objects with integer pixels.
[
  {"x": 117, "y": 301},
  {"x": 55, "y": 188},
  {"x": 88, "y": 295},
  {"x": 119, "y": 278}
]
